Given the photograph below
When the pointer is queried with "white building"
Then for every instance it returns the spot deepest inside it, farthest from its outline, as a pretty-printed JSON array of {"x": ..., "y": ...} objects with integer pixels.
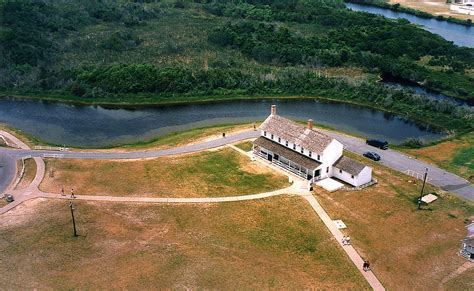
[
  {"x": 463, "y": 7},
  {"x": 306, "y": 152},
  {"x": 467, "y": 244},
  {"x": 464, "y": 2}
]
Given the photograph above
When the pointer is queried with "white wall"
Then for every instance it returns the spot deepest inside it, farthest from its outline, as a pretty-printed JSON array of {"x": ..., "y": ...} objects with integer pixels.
[
  {"x": 333, "y": 152},
  {"x": 365, "y": 176}
]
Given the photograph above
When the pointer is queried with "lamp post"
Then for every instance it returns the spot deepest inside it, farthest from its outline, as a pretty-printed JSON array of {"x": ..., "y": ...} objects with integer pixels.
[{"x": 422, "y": 187}]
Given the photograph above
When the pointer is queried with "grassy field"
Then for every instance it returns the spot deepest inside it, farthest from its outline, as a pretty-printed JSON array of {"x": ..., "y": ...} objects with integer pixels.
[
  {"x": 29, "y": 175},
  {"x": 464, "y": 281},
  {"x": 455, "y": 155},
  {"x": 222, "y": 172},
  {"x": 245, "y": 146},
  {"x": 410, "y": 249},
  {"x": 276, "y": 243}
]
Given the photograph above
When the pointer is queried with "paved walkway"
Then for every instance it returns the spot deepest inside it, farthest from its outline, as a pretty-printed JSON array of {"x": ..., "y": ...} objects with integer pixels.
[
  {"x": 350, "y": 250},
  {"x": 299, "y": 187},
  {"x": 32, "y": 191},
  {"x": 392, "y": 159}
]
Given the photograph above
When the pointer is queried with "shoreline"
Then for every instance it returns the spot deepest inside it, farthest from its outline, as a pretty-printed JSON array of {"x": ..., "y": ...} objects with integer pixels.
[
  {"x": 229, "y": 99},
  {"x": 412, "y": 11}
]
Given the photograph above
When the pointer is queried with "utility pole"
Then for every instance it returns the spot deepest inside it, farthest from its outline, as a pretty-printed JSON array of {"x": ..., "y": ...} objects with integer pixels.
[
  {"x": 73, "y": 220},
  {"x": 422, "y": 188}
]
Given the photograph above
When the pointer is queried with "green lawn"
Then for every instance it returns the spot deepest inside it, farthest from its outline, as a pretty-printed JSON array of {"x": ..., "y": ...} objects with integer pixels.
[
  {"x": 455, "y": 155},
  {"x": 245, "y": 146}
]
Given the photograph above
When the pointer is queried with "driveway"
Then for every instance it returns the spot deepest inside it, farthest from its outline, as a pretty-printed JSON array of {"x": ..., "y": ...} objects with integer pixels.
[
  {"x": 392, "y": 159},
  {"x": 7, "y": 171},
  {"x": 401, "y": 162}
]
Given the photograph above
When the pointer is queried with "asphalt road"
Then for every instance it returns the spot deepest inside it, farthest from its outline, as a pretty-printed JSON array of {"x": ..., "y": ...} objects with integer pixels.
[
  {"x": 392, "y": 159},
  {"x": 7, "y": 171}
]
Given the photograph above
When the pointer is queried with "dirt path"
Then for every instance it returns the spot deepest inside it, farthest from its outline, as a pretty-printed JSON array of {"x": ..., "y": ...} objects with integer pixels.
[{"x": 463, "y": 268}]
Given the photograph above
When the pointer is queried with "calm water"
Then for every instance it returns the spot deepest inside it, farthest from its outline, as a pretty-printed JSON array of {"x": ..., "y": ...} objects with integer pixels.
[
  {"x": 94, "y": 126},
  {"x": 413, "y": 87},
  {"x": 459, "y": 34}
]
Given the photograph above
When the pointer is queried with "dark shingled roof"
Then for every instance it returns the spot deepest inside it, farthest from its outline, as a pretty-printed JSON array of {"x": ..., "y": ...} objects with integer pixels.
[
  {"x": 349, "y": 165},
  {"x": 310, "y": 139},
  {"x": 282, "y": 151}
]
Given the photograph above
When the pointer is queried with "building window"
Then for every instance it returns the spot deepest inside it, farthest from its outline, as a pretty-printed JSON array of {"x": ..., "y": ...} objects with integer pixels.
[
  {"x": 318, "y": 157},
  {"x": 352, "y": 176},
  {"x": 310, "y": 153},
  {"x": 264, "y": 133},
  {"x": 272, "y": 136},
  {"x": 327, "y": 170},
  {"x": 279, "y": 140},
  {"x": 286, "y": 143},
  {"x": 294, "y": 146},
  {"x": 302, "y": 150},
  {"x": 340, "y": 171}
]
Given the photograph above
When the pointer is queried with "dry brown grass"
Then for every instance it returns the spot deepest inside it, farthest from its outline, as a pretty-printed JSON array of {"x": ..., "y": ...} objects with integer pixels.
[
  {"x": 222, "y": 172},
  {"x": 435, "y": 7},
  {"x": 409, "y": 249},
  {"x": 275, "y": 243},
  {"x": 464, "y": 281},
  {"x": 29, "y": 175}
]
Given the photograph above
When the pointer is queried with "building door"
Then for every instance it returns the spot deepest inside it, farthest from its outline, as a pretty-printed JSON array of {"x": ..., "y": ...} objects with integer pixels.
[
  {"x": 317, "y": 173},
  {"x": 270, "y": 157}
]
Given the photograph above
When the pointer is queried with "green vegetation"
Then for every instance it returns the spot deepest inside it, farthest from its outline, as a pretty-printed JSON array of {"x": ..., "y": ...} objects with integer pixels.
[
  {"x": 157, "y": 52},
  {"x": 276, "y": 243},
  {"x": 245, "y": 146},
  {"x": 455, "y": 155}
]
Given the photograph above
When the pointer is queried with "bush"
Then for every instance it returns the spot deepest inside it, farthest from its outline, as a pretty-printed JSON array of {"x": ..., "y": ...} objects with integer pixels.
[{"x": 413, "y": 143}]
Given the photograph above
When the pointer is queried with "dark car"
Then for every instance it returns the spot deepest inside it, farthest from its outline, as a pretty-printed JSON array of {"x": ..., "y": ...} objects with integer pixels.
[
  {"x": 372, "y": 156},
  {"x": 9, "y": 198},
  {"x": 381, "y": 144}
]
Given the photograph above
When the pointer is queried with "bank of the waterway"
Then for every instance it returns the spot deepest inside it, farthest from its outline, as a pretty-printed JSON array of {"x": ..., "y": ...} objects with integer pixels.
[
  {"x": 97, "y": 126},
  {"x": 460, "y": 35}
]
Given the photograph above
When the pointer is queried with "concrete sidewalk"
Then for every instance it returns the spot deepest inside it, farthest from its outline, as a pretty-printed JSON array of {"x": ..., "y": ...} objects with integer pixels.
[
  {"x": 392, "y": 159},
  {"x": 350, "y": 251}
]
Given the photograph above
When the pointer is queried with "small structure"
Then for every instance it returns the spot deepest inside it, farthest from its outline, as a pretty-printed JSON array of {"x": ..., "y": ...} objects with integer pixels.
[
  {"x": 306, "y": 152},
  {"x": 463, "y": 6},
  {"x": 464, "y": 2},
  {"x": 467, "y": 245},
  {"x": 429, "y": 198}
]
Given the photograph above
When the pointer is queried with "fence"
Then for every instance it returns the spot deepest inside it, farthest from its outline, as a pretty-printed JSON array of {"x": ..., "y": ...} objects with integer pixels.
[
  {"x": 48, "y": 148},
  {"x": 417, "y": 175},
  {"x": 54, "y": 156}
]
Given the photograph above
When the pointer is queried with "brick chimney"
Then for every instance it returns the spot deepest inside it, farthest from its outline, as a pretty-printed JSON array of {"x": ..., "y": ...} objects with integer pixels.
[
  {"x": 274, "y": 109},
  {"x": 310, "y": 124}
]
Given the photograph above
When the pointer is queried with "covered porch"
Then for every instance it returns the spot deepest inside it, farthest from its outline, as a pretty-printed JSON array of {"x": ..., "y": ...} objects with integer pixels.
[{"x": 285, "y": 158}]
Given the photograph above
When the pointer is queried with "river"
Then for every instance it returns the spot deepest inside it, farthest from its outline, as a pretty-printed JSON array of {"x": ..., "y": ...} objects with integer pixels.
[
  {"x": 96, "y": 126},
  {"x": 460, "y": 35}
]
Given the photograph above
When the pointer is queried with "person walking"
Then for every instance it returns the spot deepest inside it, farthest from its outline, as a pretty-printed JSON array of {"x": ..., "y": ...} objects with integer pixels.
[
  {"x": 62, "y": 191},
  {"x": 223, "y": 134},
  {"x": 72, "y": 193},
  {"x": 366, "y": 266}
]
